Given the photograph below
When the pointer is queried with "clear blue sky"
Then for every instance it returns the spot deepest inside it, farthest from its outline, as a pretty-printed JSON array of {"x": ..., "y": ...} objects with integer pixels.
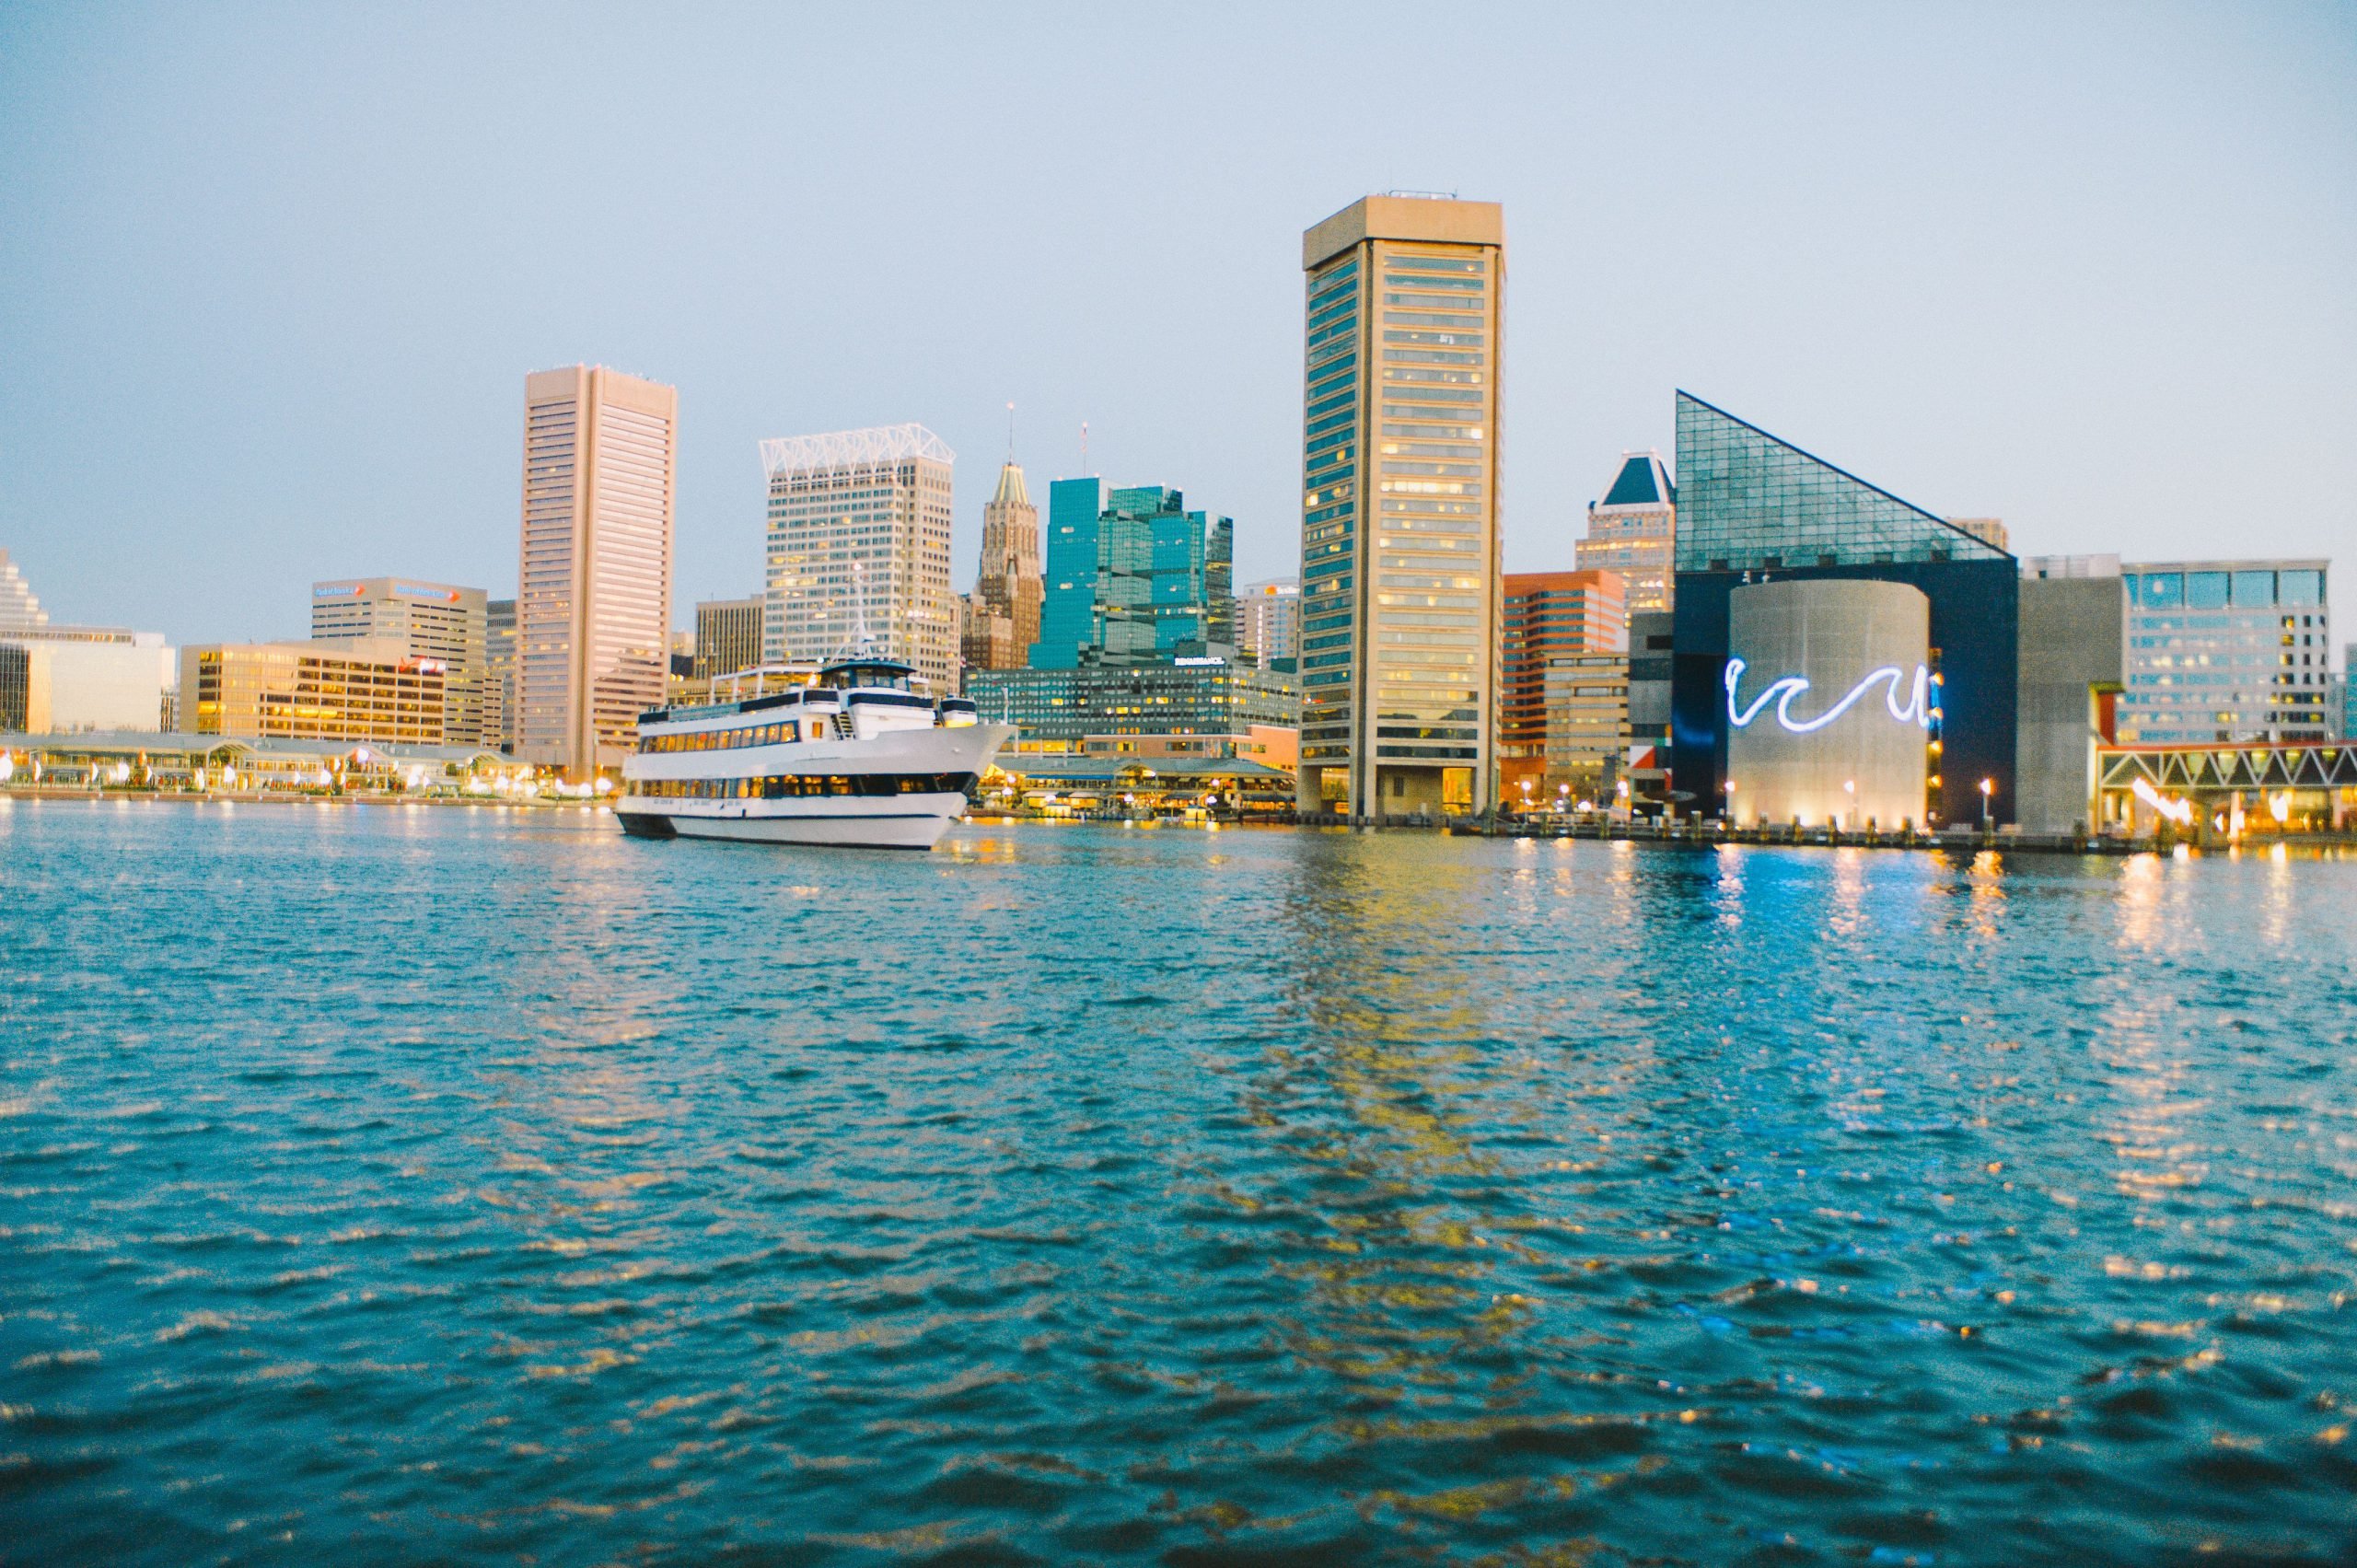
[{"x": 270, "y": 279}]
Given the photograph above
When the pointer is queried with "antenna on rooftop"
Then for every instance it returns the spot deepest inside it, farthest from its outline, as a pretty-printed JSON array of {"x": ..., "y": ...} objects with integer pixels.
[
  {"x": 1010, "y": 433},
  {"x": 1084, "y": 447}
]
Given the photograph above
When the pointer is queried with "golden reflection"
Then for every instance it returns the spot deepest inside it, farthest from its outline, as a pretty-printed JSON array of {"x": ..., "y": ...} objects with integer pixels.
[
  {"x": 1403, "y": 1049},
  {"x": 1846, "y": 916}
]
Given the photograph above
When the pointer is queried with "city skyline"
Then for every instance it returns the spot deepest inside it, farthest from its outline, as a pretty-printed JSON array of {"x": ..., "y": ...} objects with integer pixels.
[{"x": 2036, "y": 391}]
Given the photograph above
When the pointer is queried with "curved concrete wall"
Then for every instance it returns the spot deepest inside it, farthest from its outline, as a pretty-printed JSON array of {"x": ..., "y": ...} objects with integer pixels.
[{"x": 1814, "y": 647}]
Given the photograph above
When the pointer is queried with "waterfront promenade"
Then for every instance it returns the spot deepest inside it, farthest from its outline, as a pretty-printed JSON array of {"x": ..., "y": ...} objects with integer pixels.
[{"x": 395, "y": 1183}]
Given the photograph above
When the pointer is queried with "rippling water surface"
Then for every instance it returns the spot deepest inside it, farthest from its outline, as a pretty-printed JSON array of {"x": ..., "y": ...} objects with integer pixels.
[{"x": 387, "y": 1183}]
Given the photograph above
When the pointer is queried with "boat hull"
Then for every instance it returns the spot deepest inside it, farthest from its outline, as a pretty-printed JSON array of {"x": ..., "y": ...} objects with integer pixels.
[
  {"x": 895, "y": 790},
  {"x": 905, "y": 822}
]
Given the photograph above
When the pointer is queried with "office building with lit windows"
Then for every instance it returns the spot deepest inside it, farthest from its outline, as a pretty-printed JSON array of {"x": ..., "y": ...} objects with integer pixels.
[
  {"x": 1634, "y": 532},
  {"x": 432, "y": 621},
  {"x": 1193, "y": 695},
  {"x": 499, "y": 675},
  {"x": 1403, "y": 304},
  {"x": 1585, "y": 732},
  {"x": 1754, "y": 509},
  {"x": 1548, "y": 616},
  {"x": 2226, "y": 651},
  {"x": 1268, "y": 622},
  {"x": 593, "y": 617},
  {"x": 859, "y": 542},
  {"x": 347, "y": 689},
  {"x": 728, "y": 636}
]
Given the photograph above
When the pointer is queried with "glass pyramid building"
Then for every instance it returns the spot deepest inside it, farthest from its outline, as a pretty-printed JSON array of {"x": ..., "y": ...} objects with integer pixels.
[
  {"x": 1752, "y": 507},
  {"x": 1750, "y": 502}
]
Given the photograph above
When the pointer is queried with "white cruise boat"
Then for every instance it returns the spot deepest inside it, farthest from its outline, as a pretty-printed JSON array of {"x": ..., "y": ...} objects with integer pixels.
[{"x": 852, "y": 757}]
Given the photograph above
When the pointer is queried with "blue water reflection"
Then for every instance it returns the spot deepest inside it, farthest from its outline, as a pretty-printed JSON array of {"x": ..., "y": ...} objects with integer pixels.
[{"x": 397, "y": 1183}]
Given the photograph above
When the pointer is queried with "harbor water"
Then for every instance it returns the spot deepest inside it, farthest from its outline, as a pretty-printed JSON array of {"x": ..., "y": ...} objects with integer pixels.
[{"x": 399, "y": 1183}]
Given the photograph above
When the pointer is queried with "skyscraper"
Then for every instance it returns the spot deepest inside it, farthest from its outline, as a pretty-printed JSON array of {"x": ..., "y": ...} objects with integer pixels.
[
  {"x": 1144, "y": 582},
  {"x": 432, "y": 620},
  {"x": 1068, "y": 608},
  {"x": 594, "y": 607},
  {"x": 1008, "y": 586},
  {"x": 729, "y": 636},
  {"x": 1634, "y": 532},
  {"x": 1399, "y": 508},
  {"x": 1268, "y": 619},
  {"x": 1548, "y": 616},
  {"x": 499, "y": 675},
  {"x": 859, "y": 535}
]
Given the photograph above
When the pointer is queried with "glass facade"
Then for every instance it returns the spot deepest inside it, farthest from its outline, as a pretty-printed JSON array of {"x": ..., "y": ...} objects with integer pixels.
[
  {"x": 1198, "y": 696},
  {"x": 1754, "y": 508},
  {"x": 1141, "y": 581},
  {"x": 434, "y": 620},
  {"x": 1398, "y": 560},
  {"x": 1068, "y": 610},
  {"x": 2226, "y": 651},
  {"x": 1748, "y": 502}
]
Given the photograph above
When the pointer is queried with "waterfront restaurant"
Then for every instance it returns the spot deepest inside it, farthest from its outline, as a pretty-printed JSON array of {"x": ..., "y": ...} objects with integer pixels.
[
  {"x": 153, "y": 761},
  {"x": 1078, "y": 787},
  {"x": 2230, "y": 793}
]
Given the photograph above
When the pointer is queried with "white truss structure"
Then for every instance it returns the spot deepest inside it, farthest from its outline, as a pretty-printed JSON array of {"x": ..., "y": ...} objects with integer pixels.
[{"x": 849, "y": 448}]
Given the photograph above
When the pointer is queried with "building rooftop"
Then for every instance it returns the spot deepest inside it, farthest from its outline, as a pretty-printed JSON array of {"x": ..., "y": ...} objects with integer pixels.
[
  {"x": 1643, "y": 481},
  {"x": 1753, "y": 501},
  {"x": 842, "y": 449},
  {"x": 1434, "y": 219},
  {"x": 132, "y": 741}
]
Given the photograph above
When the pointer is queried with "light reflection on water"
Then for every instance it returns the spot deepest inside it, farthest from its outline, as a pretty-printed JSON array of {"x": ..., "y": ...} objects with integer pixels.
[{"x": 415, "y": 1183}]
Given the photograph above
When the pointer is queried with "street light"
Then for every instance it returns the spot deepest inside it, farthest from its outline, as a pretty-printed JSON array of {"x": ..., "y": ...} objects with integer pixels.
[{"x": 1986, "y": 785}]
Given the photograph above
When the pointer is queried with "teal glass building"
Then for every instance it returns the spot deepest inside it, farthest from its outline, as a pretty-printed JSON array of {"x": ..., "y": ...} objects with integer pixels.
[
  {"x": 1068, "y": 601},
  {"x": 1753, "y": 508},
  {"x": 1134, "y": 578}
]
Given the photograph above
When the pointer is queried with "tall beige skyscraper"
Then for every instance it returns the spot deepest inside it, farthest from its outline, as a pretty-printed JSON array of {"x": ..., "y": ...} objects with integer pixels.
[
  {"x": 593, "y": 613},
  {"x": 1399, "y": 605},
  {"x": 859, "y": 535}
]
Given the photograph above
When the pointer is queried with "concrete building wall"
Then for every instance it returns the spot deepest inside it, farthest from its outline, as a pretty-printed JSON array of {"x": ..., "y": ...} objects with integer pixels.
[
  {"x": 1834, "y": 746},
  {"x": 69, "y": 688},
  {"x": 2071, "y": 642}
]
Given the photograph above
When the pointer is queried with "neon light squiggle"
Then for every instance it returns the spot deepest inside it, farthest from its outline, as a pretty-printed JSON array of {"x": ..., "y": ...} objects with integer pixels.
[{"x": 1916, "y": 707}]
